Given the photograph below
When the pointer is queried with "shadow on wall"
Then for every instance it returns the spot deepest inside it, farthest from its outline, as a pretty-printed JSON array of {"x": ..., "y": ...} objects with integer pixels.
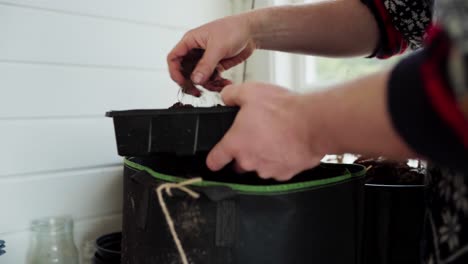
[{"x": 89, "y": 230}]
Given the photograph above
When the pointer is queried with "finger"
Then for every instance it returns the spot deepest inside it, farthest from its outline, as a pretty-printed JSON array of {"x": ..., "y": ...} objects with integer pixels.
[
  {"x": 275, "y": 174},
  {"x": 233, "y": 95},
  {"x": 220, "y": 68},
  {"x": 220, "y": 155},
  {"x": 207, "y": 65},
  {"x": 174, "y": 71},
  {"x": 174, "y": 58},
  {"x": 262, "y": 174},
  {"x": 232, "y": 62},
  {"x": 189, "y": 88},
  {"x": 238, "y": 168},
  {"x": 217, "y": 85},
  {"x": 284, "y": 176}
]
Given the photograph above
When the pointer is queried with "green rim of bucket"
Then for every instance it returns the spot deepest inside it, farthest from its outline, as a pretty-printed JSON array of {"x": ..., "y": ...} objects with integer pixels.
[{"x": 256, "y": 189}]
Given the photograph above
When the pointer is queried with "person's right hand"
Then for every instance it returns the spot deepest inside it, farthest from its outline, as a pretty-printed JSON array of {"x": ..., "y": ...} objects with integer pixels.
[{"x": 227, "y": 42}]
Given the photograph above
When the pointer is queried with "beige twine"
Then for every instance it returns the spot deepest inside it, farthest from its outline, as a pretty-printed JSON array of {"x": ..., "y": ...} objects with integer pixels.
[{"x": 168, "y": 188}]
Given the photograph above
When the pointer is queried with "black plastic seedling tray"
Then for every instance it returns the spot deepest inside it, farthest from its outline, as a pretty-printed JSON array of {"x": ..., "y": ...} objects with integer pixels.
[{"x": 180, "y": 131}]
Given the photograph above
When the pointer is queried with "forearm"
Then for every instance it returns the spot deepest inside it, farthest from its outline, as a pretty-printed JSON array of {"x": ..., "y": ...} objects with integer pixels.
[
  {"x": 355, "y": 118},
  {"x": 331, "y": 28}
]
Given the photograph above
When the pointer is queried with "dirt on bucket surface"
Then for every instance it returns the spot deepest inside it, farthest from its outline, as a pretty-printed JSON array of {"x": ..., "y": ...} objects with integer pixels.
[
  {"x": 189, "y": 219},
  {"x": 389, "y": 172}
]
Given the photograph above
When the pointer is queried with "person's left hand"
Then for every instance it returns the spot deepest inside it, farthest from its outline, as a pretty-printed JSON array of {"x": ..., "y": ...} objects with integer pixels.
[{"x": 270, "y": 134}]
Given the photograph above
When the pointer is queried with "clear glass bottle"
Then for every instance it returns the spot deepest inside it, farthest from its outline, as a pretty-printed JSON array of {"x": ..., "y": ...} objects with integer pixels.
[
  {"x": 87, "y": 252},
  {"x": 52, "y": 242}
]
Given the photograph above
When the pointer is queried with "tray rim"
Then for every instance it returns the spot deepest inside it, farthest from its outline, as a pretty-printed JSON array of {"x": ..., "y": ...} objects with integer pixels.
[{"x": 176, "y": 111}]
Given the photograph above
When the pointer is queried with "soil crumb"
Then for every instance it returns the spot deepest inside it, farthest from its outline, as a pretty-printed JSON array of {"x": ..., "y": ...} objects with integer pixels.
[{"x": 386, "y": 171}]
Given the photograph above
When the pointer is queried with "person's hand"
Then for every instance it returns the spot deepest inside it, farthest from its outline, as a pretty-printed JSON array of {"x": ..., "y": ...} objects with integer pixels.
[
  {"x": 269, "y": 135},
  {"x": 227, "y": 42}
]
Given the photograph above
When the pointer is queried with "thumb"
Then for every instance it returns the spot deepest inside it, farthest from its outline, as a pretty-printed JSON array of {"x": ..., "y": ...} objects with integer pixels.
[
  {"x": 207, "y": 65},
  {"x": 234, "y": 95}
]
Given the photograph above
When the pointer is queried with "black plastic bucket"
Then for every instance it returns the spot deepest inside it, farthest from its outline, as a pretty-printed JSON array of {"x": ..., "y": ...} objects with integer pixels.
[
  {"x": 108, "y": 249},
  {"x": 394, "y": 218},
  {"x": 315, "y": 218}
]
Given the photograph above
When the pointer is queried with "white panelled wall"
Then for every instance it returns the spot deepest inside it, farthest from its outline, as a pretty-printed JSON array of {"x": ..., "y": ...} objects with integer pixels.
[{"x": 63, "y": 64}]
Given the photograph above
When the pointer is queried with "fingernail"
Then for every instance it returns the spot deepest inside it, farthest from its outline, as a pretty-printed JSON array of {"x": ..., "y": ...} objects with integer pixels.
[
  {"x": 220, "y": 68},
  {"x": 197, "y": 77}
]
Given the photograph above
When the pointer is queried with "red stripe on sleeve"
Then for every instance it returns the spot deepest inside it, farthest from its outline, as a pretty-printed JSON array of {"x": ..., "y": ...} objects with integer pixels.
[
  {"x": 396, "y": 43},
  {"x": 444, "y": 102}
]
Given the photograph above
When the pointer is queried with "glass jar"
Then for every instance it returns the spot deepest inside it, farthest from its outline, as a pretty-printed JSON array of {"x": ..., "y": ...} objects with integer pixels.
[{"x": 52, "y": 242}]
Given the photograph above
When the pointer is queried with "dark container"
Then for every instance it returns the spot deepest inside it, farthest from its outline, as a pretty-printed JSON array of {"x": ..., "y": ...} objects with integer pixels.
[
  {"x": 108, "y": 249},
  {"x": 394, "y": 218},
  {"x": 240, "y": 219},
  {"x": 181, "y": 131},
  {"x": 2, "y": 247}
]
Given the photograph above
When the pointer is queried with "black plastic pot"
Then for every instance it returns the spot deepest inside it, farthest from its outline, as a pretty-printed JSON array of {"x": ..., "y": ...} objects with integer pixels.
[
  {"x": 394, "y": 217},
  {"x": 2, "y": 247},
  {"x": 108, "y": 249},
  {"x": 240, "y": 219}
]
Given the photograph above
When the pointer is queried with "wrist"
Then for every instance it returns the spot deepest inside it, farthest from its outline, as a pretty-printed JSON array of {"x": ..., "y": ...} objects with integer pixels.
[
  {"x": 355, "y": 119},
  {"x": 313, "y": 114},
  {"x": 332, "y": 111},
  {"x": 258, "y": 24}
]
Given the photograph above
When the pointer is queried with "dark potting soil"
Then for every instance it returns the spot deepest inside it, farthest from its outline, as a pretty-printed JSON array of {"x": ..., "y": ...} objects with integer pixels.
[
  {"x": 194, "y": 166},
  {"x": 188, "y": 64},
  {"x": 389, "y": 172},
  {"x": 181, "y": 105},
  {"x": 190, "y": 61}
]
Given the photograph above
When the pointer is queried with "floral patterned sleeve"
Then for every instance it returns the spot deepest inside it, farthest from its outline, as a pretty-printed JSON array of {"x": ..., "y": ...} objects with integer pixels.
[
  {"x": 428, "y": 90},
  {"x": 402, "y": 24}
]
